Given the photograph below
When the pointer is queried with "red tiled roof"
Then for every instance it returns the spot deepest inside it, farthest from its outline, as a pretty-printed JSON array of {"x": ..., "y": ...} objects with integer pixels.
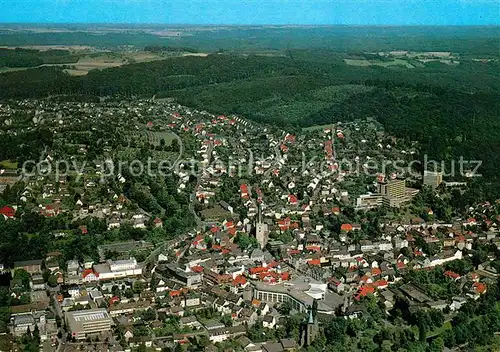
[
  {"x": 272, "y": 264},
  {"x": 87, "y": 272},
  {"x": 256, "y": 270},
  {"x": 364, "y": 291},
  {"x": 244, "y": 191},
  {"x": 346, "y": 227},
  {"x": 7, "y": 211},
  {"x": 175, "y": 293},
  {"x": 197, "y": 268},
  {"x": 314, "y": 262},
  {"x": 239, "y": 280},
  {"x": 284, "y": 224},
  {"x": 381, "y": 283},
  {"x": 313, "y": 248},
  {"x": 479, "y": 287},
  {"x": 451, "y": 274}
]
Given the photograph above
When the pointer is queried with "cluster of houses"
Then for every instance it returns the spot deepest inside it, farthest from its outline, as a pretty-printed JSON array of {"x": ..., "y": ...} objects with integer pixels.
[
  {"x": 243, "y": 286},
  {"x": 265, "y": 238}
]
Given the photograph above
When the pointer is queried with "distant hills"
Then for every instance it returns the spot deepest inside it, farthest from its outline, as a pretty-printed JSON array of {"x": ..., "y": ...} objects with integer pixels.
[
  {"x": 451, "y": 108},
  {"x": 482, "y": 40}
]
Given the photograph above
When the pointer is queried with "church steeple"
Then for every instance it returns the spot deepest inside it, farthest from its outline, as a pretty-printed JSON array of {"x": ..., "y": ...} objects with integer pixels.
[
  {"x": 311, "y": 317},
  {"x": 309, "y": 326}
]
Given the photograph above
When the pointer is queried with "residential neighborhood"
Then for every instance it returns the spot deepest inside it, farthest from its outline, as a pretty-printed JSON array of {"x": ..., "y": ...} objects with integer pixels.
[{"x": 169, "y": 228}]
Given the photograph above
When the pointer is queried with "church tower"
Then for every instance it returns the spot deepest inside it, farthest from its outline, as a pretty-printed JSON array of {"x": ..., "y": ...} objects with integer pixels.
[
  {"x": 261, "y": 230},
  {"x": 309, "y": 329}
]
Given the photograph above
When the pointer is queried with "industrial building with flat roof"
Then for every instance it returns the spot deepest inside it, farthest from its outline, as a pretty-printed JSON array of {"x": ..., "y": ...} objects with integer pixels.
[
  {"x": 87, "y": 322},
  {"x": 116, "y": 269}
]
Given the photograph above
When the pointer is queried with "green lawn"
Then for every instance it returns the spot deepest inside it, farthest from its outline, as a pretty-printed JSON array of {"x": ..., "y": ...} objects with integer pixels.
[
  {"x": 357, "y": 62},
  {"x": 318, "y": 127},
  {"x": 155, "y": 138},
  {"x": 439, "y": 331},
  {"x": 366, "y": 63},
  {"x": 8, "y": 164}
]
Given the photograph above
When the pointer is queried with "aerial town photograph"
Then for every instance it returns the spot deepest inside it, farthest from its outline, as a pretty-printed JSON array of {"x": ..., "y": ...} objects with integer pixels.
[{"x": 249, "y": 175}]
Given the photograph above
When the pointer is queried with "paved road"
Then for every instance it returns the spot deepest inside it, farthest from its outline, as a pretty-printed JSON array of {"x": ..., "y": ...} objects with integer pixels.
[
  {"x": 201, "y": 224},
  {"x": 56, "y": 307}
]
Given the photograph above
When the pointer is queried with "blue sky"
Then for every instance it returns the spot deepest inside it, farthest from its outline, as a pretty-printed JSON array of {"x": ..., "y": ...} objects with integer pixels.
[{"x": 348, "y": 12}]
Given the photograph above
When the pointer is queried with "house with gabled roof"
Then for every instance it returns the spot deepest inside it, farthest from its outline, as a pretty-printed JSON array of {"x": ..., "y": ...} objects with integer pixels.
[
  {"x": 158, "y": 223},
  {"x": 244, "y": 192},
  {"x": 292, "y": 199},
  {"x": 7, "y": 212}
]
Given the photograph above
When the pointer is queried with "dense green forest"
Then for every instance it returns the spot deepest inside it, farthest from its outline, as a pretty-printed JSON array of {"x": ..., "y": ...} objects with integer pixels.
[
  {"x": 175, "y": 49},
  {"x": 477, "y": 40},
  {"x": 31, "y": 58},
  {"x": 452, "y": 110}
]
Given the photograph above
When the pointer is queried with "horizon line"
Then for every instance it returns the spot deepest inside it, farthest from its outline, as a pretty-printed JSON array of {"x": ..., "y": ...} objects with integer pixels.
[{"x": 248, "y": 25}]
